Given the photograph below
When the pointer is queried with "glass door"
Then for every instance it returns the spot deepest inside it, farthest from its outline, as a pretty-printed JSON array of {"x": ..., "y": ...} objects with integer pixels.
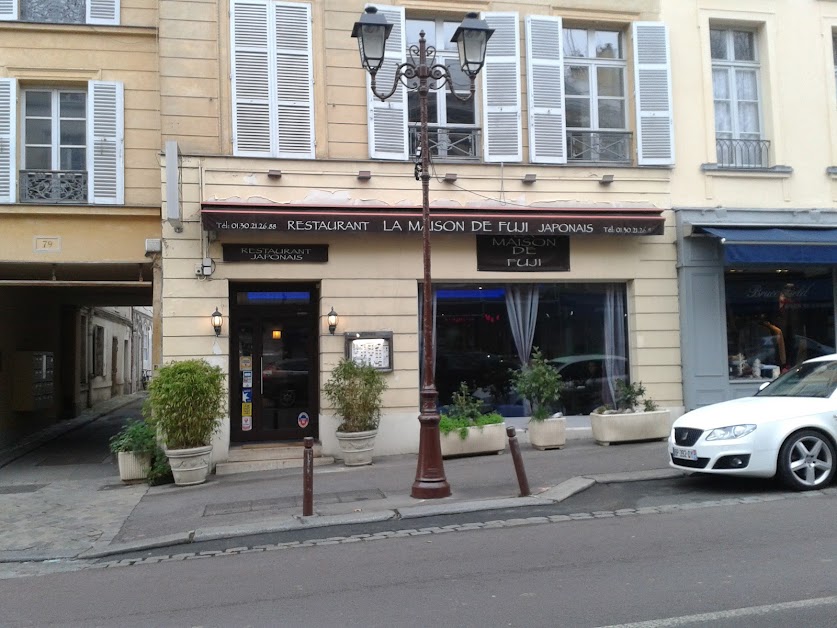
[{"x": 274, "y": 374}]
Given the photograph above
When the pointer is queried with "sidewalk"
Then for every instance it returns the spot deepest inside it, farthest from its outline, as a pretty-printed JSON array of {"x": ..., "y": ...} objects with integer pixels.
[{"x": 64, "y": 500}]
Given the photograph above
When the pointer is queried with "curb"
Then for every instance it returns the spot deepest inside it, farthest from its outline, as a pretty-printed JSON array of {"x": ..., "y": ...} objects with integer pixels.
[{"x": 555, "y": 494}]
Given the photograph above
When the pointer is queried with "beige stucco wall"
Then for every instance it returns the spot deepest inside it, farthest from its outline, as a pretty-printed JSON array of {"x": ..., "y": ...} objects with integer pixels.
[{"x": 798, "y": 95}]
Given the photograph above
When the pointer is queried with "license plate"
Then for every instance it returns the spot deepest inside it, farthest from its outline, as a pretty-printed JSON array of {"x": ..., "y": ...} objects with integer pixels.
[{"x": 686, "y": 454}]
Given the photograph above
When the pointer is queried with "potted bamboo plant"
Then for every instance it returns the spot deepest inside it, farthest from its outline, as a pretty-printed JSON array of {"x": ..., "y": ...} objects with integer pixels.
[
  {"x": 185, "y": 404},
  {"x": 355, "y": 391},
  {"x": 540, "y": 383},
  {"x": 633, "y": 417}
]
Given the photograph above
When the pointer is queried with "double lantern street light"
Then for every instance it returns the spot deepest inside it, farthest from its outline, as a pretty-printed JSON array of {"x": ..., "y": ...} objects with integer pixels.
[{"x": 421, "y": 74}]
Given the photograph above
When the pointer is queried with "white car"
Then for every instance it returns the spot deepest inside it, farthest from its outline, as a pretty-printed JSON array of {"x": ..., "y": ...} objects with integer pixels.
[{"x": 789, "y": 427}]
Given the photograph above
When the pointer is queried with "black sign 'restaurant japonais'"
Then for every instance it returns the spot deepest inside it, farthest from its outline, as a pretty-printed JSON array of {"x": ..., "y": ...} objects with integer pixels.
[
  {"x": 523, "y": 253},
  {"x": 276, "y": 253}
]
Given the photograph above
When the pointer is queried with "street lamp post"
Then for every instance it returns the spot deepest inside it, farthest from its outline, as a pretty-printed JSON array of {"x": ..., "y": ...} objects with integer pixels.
[{"x": 425, "y": 74}]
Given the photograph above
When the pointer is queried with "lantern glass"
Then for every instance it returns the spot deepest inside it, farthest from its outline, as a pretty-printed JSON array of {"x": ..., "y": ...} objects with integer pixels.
[
  {"x": 471, "y": 39},
  {"x": 217, "y": 321},
  {"x": 371, "y": 32}
]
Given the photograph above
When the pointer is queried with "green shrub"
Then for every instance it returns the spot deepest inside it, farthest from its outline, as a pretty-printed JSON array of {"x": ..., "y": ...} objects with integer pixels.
[
  {"x": 185, "y": 402},
  {"x": 465, "y": 412},
  {"x": 629, "y": 398},
  {"x": 136, "y": 435},
  {"x": 540, "y": 383},
  {"x": 356, "y": 391}
]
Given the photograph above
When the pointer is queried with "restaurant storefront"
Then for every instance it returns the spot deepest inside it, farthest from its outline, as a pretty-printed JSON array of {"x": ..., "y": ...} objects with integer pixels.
[{"x": 577, "y": 283}]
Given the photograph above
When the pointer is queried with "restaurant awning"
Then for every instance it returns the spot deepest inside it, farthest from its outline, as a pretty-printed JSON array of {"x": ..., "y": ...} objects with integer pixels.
[
  {"x": 776, "y": 245},
  {"x": 266, "y": 218}
]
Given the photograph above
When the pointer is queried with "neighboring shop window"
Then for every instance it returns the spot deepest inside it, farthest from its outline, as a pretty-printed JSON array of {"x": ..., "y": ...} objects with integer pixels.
[
  {"x": 482, "y": 331},
  {"x": 777, "y": 320}
]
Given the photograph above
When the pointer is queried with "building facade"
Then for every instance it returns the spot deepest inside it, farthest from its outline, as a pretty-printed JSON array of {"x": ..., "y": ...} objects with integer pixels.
[
  {"x": 754, "y": 190},
  {"x": 79, "y": 197},
  {"x": 290, "y": 193}
]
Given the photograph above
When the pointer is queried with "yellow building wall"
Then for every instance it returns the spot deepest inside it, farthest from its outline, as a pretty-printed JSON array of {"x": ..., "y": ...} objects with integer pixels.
[{"x": 799, "y": 107}]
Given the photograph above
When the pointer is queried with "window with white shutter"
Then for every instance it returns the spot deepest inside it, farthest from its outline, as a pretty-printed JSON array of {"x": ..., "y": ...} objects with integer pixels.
[
  {"x": 545, "y": 90},
  {"x": 652, "y": 67},
  {"x": 8, "y": 126},
  {"x": 63, "y": 12},
  {"x": 387, "y": 120},
  {"x": 272, "y": 79},
  {"x": 502, "y": 126},
  {"x": 106, "y": 142}
]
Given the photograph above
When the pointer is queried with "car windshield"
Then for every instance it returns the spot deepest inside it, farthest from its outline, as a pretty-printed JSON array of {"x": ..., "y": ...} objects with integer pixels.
[{"x": 812, "y": 379}]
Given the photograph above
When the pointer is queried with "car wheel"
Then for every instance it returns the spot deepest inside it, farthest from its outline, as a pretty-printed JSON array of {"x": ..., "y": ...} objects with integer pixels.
[{"x": 806, "y": 461}]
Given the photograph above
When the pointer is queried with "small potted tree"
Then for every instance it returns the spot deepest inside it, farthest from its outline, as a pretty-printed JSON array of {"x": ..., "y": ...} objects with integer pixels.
[
  {"x": 540, "y": 383},
  {"x": 465, "y": 429},
  {"x": 634, "y": 417},
  {"x": 185, "y": 404},
  {"x": 134, "y": 445},
  {"x": 355, "y": 391}
]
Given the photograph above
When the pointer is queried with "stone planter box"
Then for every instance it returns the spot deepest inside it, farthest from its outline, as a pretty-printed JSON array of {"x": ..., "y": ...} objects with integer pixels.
[
  {"x": 550, "y": 433},
  {"x": 488, "y": 439},
  {"x": 189, "y": 466},
  {"x": 632, "y": 426},
  {"x": 357, "y": 447},
  {"x": 133, "y": 466}
]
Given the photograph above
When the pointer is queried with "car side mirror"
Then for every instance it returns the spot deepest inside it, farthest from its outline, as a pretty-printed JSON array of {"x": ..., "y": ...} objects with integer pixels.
[{"x": 763, "y": 386}]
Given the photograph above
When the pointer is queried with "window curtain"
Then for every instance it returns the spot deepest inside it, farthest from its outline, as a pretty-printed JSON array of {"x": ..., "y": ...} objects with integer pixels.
[
  {"x": 522, "y": 307},
  {"x": 614, "y": 339}
]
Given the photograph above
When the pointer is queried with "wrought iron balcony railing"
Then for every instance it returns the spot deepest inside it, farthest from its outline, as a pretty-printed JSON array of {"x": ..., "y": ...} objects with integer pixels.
[
  {"x": 609, "y": 146},
  {"x": 53, "y": 186},
  {"x": 449, "y": 142},
  {"x": 738, "y": 153}
]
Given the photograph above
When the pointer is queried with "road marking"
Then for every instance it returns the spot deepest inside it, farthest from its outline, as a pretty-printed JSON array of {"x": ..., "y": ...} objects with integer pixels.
[{"x": 731, "y": 614}]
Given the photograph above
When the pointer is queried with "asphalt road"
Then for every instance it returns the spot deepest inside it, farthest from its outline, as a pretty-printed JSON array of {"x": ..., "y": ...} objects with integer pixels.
[{"x": 747, "y": 556}]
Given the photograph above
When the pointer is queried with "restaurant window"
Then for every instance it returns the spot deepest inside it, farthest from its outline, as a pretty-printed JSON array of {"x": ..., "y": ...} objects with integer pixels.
[
  {"x": 482, "y": 334},
  {"x": 777, "y": 320}
]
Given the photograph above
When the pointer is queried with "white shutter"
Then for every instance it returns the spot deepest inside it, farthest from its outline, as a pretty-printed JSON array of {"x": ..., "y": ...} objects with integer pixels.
[
  {"x": 502, "y": 126},
  {"x": 251, "y": 93},
  {"x": 101, "y": 12},
  {"x": 654, "y": 116},
  {"x": 8, "y": 10},
  {"x": 8, "y": 143},
  {"x": 545, "y": 90},
  {"x": 388, "y": 119},
  {"x": 294, "y": 80},
  {"x": 105, "y": 142}
]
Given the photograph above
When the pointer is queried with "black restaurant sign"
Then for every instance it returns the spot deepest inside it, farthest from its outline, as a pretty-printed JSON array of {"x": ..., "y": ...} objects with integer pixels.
[
  {"x": 276, "y": 253},
  {"x": 523, "y": 253},
  {"x": 590, "y": 223}
]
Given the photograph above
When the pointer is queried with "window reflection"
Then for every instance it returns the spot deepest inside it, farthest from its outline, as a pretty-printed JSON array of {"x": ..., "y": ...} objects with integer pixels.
[{"x": 777, "y": 320}]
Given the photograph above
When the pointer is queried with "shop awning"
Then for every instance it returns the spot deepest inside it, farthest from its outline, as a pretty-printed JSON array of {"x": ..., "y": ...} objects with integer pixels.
[
  {"x": 775, "y": 245},
  {"x": 271, "y": 218}
]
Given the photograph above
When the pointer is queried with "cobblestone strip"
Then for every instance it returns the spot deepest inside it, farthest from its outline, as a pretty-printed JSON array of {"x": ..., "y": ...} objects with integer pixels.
[{"x": 465, "y": 527}]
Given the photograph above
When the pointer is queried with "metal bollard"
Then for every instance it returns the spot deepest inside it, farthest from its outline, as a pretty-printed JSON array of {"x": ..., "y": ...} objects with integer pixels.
[
  {"x": 514, "y": 447},
  {"x": 308, "y": 477}
]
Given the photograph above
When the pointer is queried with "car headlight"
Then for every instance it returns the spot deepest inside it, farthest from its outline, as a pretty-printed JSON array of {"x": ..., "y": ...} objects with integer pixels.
[{"x": 730, "y": 432}]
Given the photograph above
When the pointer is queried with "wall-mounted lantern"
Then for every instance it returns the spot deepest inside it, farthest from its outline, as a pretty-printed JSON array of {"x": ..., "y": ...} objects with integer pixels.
[
  {"x": 332, "y": 321},
  {"x": 217, "y": 321}
]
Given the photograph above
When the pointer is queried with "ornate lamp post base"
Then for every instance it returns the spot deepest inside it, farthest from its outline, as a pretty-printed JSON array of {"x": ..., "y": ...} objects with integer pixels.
[{"x": 430, "y": 480}]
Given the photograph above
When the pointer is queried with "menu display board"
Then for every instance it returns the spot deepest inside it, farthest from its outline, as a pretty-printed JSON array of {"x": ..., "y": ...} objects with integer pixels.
[{"x": 373, "y": 348}]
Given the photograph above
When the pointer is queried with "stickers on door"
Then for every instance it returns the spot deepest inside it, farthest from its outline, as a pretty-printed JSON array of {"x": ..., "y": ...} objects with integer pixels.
[
  {"x": 246, "y": 423},
  {"x": 246, "y": 409},
  {"x": 247, "y": 395},
  {"x": 302, "y": 420},
  {"x": 245, "y": 363},
  {"x": 247, "y": 379}
]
